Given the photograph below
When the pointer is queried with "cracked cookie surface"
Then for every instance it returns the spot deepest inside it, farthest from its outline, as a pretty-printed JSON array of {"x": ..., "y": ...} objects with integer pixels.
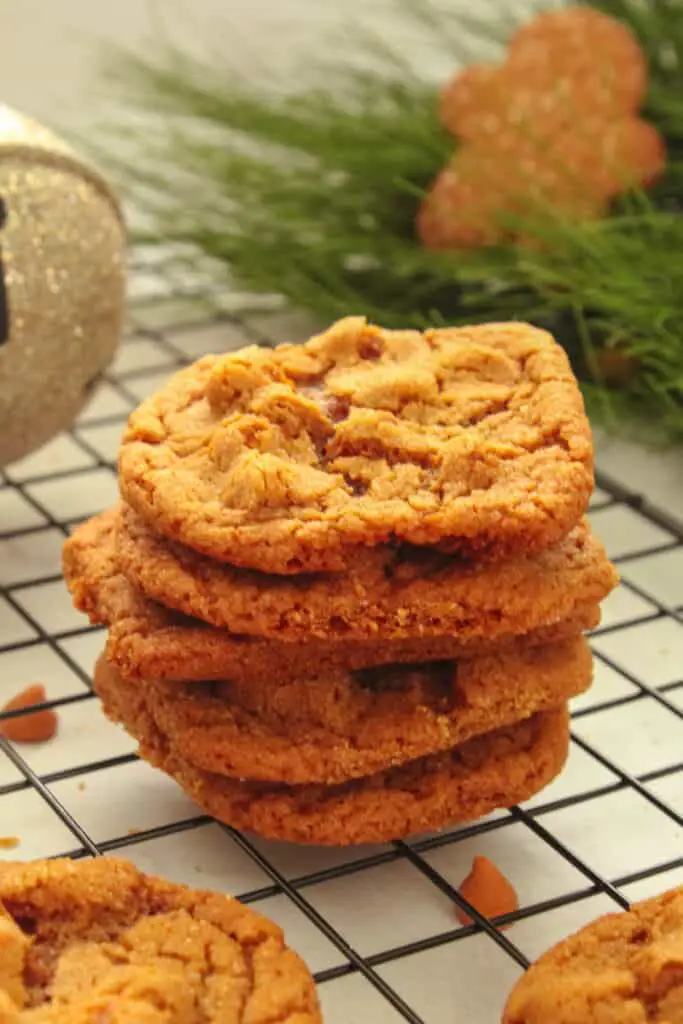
[
  {"x": 338, "y": 726},
  {"x": 94, "y": 941},
  {"x": 475, "y": 778},
  {"x": 388, "y": 593},
  {"x": 624, "y": 968},
  {"x": 287, "y": 460},
  {"x": 147, "y": 641}
]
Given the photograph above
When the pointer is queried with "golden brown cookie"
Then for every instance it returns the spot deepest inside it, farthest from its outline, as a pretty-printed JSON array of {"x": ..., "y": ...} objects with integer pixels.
[
  {"x": 287, "y": 460},
  {"x": 147, "y": 641},
  {"x": 98, "y": 942},
  {"x": 343, "y": 725},
  {"x": 624, "y": 968},
  {"x": 388, "y": 593},
  {"x": 492, "y": 771}
]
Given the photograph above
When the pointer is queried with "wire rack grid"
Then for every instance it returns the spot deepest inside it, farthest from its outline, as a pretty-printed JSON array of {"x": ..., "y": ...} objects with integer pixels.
[{"x": 377, "y": 925}]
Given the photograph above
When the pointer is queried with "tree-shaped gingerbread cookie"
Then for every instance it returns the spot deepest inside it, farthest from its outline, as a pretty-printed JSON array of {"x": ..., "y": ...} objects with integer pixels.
[{"x": 554, "y": 126}]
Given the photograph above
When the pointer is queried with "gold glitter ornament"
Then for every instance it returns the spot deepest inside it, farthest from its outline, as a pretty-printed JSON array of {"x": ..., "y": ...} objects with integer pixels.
[{"x": 62, "y": 283}]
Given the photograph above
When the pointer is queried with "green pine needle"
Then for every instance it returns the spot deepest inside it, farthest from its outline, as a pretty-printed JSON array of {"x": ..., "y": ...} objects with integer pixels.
[{"x": 314, "y": 196}]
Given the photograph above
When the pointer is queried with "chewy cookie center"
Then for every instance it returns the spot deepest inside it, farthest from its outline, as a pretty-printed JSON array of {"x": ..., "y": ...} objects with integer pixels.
[
  {"x": 364, "y": 413},
  {"x": 169, "y": 968}
]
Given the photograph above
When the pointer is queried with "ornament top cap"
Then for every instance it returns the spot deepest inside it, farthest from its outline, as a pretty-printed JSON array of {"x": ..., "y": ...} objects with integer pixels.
[{"x": 21, "y": 136}]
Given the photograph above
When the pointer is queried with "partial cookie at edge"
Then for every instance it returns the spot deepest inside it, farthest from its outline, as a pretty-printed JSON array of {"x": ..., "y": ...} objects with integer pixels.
[
  {"x": 624, "y": 967},
  {"x": 108, "y": 942}
]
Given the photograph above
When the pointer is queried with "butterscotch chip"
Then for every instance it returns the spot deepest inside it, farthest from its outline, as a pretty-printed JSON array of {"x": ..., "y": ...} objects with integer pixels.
[
  {"x": 388, "y": 593},
  {"x": 496, "y": 770},
  {"x": 341, "y": 725},
  {"x": 14, "y": 946},
  {"x": 624, "y": 968},
  {"x": 475, "y": 438},
  {"x": 488, "y": 890},
  {"x": 33, "y": 727},
  {"x": 147, "y": 641},
  {"x": 98, "y": 942}
]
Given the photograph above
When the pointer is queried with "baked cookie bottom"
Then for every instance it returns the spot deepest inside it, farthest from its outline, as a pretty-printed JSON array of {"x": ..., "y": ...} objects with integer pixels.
[
  {"x": 387, "y": 594},
  {"x": 492, "y": 771},
  {"x": 96, "y": 940},
  {"x": 625, "y": 968},
  {"x": 342, "y": 726},
  {"x": 150, "y": 642}
]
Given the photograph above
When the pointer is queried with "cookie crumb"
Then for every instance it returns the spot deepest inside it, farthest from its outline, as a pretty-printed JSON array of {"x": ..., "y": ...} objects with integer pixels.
[
  {"x": 488, "y": 890},
  {"x": 9, "y": 842},
  {"x": 36, "y": 727},
  {"x": 81, "y": 787}
]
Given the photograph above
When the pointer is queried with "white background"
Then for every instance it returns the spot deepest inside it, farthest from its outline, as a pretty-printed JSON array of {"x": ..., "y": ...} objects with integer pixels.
[{"x": 52, "y": 48}]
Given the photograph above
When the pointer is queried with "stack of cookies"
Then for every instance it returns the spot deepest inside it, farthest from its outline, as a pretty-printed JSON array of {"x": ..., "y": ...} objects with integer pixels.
[{"x": 347, "y": 583}]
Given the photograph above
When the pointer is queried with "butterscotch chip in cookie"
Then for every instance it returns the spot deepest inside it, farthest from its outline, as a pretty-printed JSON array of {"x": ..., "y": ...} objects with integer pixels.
[
  {"x": 14, "y": 947},
  {"x": 148, "y": 642},
  {"x": 98, "y": 941},
  {"x": 289, "y": 460},
  {"x": 342, "y": 725},
  {"x": 496, "y": 770},
  {"x": 388, "y": 593},
  {"x": 624, "y": 968}
]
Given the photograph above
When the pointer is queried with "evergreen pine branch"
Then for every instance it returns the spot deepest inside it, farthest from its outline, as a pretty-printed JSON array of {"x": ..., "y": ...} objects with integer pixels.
[{"x": 314, "y": 196}]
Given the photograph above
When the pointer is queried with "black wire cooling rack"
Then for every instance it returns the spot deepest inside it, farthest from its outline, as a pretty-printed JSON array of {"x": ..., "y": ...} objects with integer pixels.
[{"x": 384, "y": 917}]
